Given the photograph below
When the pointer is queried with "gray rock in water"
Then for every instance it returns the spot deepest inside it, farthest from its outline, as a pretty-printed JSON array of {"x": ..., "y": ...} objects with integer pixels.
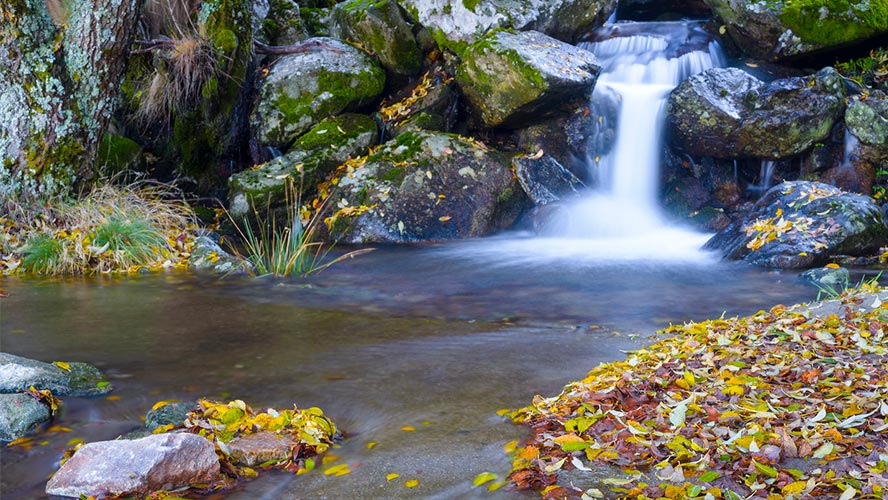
[
  {"x": 511, "y": 79},
  {"x": 801, "y": 224},
  {"x": 544, "y": 179},
  {"x": 828, "y": 279},
  {"x": 727, "y": 113},
  {"x": 207, "y": 255},
  {"x": 170, "y": 414},
  {"x": 19, "y": 414},
  {"x": 303, "y": 89},
  {"x": 81, "y": 379},
  {"x": 254, "y": 449},
  {"x": 137, "y": 467},
  {"x": 425, "y": 186}
]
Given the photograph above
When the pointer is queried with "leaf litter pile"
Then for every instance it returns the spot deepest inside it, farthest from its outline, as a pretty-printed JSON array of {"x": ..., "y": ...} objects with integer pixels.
[{"x": 784, "y": 404}]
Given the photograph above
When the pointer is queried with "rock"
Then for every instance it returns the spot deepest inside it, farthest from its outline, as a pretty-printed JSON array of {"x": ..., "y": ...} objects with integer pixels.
[
  {"x": 312, "y": 158},
  {"x": 81, "y": 379},
  {"x": 544, "y": 179},
  {"x": 828, "y": 279},
  {"x": 283, "y": 24},
  {"x": 458, "y": 23},
  {"x": 727, "y": 113},
  {"x": 19, "y": 414},
  {"x": 117, "y": 155},
  {"x": 781, "y": 29},
  {"x": 136, "y": 467},
  {"x": 169, "y": 414},
  {"x": 512, "y": 78},
  {"x": 428, "y": 105},
  {"x": 866, "y": 119},
  {"x": 207, "y": 255},
  {"x": 254, "y": 449},
  {"x": 381, "y": 30},
  {"x": 801, "y": 224},
  {"x": 659, "y": 10},
  {"x": 426, "y": 186},
  {"x": 301, "y": 90}
]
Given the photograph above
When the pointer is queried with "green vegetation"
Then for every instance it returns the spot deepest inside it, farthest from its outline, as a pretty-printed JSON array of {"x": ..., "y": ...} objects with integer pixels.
[
  {"x": 112, "y": 230},
  {"x": 871, "y": 71},
  {"x": 286, "y": 248},
  {"x": 828, "y": 21},
  {"x": 845, "y": 288}
]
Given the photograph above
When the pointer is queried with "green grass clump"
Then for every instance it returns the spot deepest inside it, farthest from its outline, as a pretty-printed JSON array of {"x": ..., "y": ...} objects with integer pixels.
[
  {"x": 43, "y": 254},
  {"x": 133, "y": 240}
]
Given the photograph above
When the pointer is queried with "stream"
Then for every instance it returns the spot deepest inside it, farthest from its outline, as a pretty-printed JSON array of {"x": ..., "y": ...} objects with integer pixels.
[{"x": 437, "y": 337}]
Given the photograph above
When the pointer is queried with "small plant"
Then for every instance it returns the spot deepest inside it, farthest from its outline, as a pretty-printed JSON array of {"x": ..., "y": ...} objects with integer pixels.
[
  {"x": 43, "y": 254},
  {"x": 871, "y": 71},
  {"x": 284, "y": 248},
  {"x": 845, "y": 289},
  {"x": 131, "y": 240}
]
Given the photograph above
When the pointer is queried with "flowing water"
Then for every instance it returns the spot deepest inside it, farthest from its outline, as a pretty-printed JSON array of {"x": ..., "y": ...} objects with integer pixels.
[{"x": 436, "y": 337}]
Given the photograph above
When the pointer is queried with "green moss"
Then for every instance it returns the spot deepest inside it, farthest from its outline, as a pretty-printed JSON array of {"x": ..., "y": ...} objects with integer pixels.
[
  {"x": 827, "y": 21},
  {"x": 334, "y": 132},
  {"x": 117, "y": 154},
  {"x": 225, "y": 41},
  {"x": 471, "y": 4}
]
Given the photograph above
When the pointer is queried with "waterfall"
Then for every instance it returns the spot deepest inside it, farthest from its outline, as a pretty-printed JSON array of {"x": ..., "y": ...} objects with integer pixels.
[{"x": 641, "y": 64}]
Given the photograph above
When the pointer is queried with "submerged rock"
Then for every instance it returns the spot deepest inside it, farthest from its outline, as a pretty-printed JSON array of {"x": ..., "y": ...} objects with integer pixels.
[
  {"x": 79, "y": 379},
  {"x": 207, "y": 255},
  {"x": 425, "y": 186},
  {"x": 381, "y": 30},
  {"x": 312, "y": 158},
  {"x": 254, "y": 449},
  {"x": 512, "y": 78},
  {"x": 544, "y": 179},
  {"x": 19, "y": 414},
  {"x": 727, "y": 113},
  {"x": 802, "y": 224},
  {"x": 832, "y": 280},
  {"x": 303, "y": 89},
  {"x": 457, "y": 23},
  {"x": 779, "y": 30},
  {"x": 169, "y": 414},
  {"x": 136, "y": 467}
]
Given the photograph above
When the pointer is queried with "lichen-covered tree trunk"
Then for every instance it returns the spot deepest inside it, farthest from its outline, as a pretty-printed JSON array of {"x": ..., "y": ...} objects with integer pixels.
[{"x": 58, "y": 87}]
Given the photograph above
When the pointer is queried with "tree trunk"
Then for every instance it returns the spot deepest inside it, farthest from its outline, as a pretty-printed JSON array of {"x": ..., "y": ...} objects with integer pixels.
[{"x": 59, "y": 88}]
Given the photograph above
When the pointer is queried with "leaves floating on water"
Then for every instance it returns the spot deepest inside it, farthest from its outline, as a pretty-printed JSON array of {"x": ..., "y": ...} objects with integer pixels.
[
  {"x": 484, "y": 477},
  {"x": 781, "y": 404},
  {"x": 411, "y": 483}
]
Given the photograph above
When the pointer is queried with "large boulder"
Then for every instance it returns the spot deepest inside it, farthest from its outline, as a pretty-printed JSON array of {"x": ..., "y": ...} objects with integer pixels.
[
  {"x": 782, "y": 29},
  {"x": 303, "y": 89},
  {"x": 727, "y": 113},
  {"x": 802, "y": 224},
  {"x": 429, "y": 104},
  {"x": 313, "y": 157},
  {"x": 425, "y": 186},
  {"x": 511, "y": 78},
  {"x": 381, "y": 30},
  {"x": 72, "y": 378},
  {"x": 458, "y": 23},
  {"x": 544, "y": 179},
  {"x": 19, "y": 414},
  {"x": 136, "y": 467}
]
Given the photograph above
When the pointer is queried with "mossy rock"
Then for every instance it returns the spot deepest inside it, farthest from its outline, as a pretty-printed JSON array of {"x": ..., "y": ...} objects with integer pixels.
[
  {"x": 379, "y": 27},
  {"x": 511, "y": 79},
  {"x": 727, "y": 113},
  {"x": 456, "y": 24},
  {"x": 779, "y": 29},
  {"x": 426, "y": 186},
  {"x": 282, "y": 24},
  {"x": 867, "y": 119},
  {"x": 303, "y": 89},
  {"x": 118, "y": 154},
  {"x": 312, "y": 158},
  {"x": 71, "y": 378}
]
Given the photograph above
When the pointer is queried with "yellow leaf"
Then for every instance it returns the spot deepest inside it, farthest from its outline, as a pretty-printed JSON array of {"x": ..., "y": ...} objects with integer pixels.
[
  {"x": 495, "y": 486},
  {"x": 484, "y": 477},
  {"x": 794, "y": 488},
  {"x": 393, "y": 475},
  {"x": 502, "y": 411},
  {"x": 329, "y": 458},
  {"x": 408, "y": 428},
  {"x": 162, "y": 428},
  {"x": 161, "y": 404},
  {"x": 371, "y": 445},
  {"x": 445, "y": 218},
  {"x": 832, "y": 265},
  {"x": 113, "y": 398},
  {"x": 412, "y": 483},
  {"x": 62, "y": 365},
  {"x": 511, "y": 446},
  {"x": 336, "y": 469}
]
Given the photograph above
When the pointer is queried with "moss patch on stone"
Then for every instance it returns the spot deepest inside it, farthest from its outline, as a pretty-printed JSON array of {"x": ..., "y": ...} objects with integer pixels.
[{"x": 828, "y": 22}]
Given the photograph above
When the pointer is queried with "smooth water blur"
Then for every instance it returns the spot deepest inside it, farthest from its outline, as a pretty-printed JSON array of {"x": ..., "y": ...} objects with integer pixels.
[{"x": 438, "y": 338}]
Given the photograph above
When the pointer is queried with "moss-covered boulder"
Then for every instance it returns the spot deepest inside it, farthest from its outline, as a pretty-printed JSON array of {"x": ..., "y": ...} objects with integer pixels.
[
  {"x": 802, "y": 224},
  {"x": 727, "y": 113},
  {"x": 118, "y": 154},
  {"x": 867, "y": 119},
  {"x": 781, "y": 29},
  {"x": 71, "y": 378},
  {"x": 456, "y": 24},
  {"x": 512, "y": 78},
  {"x": 425, "y": 186},
  {"x": 313, "y": 157},
  {"x": 303, "y": 89},
  {"x": 429, "y": 104},
  {"x": 381, "y": 30},
  {"x": 280, "y": 22}
]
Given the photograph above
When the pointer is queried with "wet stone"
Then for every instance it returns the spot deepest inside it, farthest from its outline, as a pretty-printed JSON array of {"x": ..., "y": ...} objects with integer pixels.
[
  {"x": 254, "y": 449},
  {"x": 19, "y": 414}
]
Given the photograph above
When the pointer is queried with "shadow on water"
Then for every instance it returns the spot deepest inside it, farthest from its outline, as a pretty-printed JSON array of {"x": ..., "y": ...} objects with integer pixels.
[{"x": 438, "y": 338}]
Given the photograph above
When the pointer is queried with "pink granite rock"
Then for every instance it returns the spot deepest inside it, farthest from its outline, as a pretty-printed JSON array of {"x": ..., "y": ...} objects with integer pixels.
[{"x": 255, "y": 449}]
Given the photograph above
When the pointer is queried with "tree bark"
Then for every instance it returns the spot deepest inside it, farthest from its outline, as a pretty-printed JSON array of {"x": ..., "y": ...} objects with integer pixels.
[{"x": 59, "y": 88}]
